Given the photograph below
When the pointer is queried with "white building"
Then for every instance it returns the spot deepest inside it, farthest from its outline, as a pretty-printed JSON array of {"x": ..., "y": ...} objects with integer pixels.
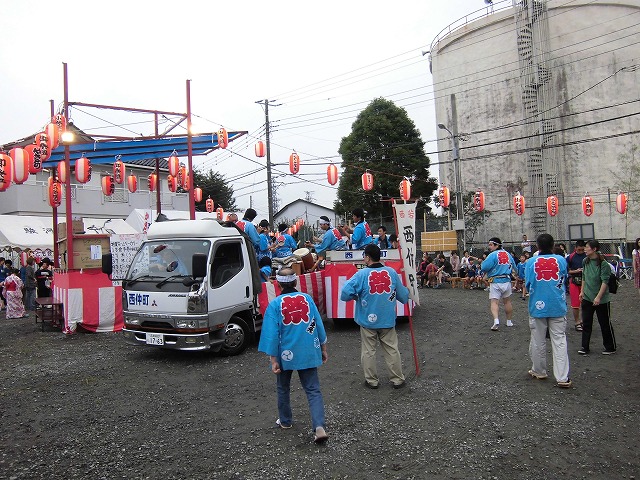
[
  {"x": 309, "y": 212},
  {"x": 541, "y": 95}
]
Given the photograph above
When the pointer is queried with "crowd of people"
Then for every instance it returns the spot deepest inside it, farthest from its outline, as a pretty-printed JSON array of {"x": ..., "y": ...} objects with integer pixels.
[{"x": 19, "y": 288}]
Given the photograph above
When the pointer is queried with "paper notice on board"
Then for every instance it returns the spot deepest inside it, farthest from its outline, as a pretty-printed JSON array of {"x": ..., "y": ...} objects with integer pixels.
[{"x": 96, "y": 252}]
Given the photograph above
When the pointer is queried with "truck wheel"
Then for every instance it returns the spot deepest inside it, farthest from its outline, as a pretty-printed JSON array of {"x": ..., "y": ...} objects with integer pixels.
[{"x": 236, "y": 337}]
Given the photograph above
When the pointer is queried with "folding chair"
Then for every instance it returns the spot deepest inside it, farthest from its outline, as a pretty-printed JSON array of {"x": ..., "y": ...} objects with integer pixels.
[{"x": 625, "y": 266}]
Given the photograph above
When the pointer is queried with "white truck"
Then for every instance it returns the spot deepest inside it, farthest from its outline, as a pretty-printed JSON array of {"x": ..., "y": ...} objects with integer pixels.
[{"x": 192, "y": 285}]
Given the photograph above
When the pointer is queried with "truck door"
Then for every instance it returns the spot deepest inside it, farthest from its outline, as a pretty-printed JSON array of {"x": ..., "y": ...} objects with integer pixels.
[{"x": 230, "y": 279}]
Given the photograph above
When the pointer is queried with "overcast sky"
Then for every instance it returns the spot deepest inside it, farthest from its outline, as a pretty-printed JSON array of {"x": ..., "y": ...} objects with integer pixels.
[{"x": 322, "y": 66}]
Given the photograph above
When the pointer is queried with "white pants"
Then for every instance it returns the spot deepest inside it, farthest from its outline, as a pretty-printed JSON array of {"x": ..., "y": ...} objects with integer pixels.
[{"x": 538, "y": 346}]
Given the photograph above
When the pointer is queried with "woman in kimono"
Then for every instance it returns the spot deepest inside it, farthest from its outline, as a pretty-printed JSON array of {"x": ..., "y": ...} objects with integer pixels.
[{"x": 13, "y": 293}]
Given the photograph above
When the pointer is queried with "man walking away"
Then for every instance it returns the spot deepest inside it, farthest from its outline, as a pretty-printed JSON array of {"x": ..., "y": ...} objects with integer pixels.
[
  {"x": 545, "y": 274},
  {"x": 498, "y": 267},
  {"x": 293, "y": 336},
  {"x": 375, "y": 290}
]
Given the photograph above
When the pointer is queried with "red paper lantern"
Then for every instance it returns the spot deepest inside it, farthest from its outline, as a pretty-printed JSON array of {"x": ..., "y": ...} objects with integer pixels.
[
  {"x": 367, "y": 181},
  {"x": 219, "y": 213},
  {"x": 552, "y": 205},
  {"x": 182, "y": 171},
  {"x": 152, "y": 181},
  {"x": 518, "y": 204},
  {"x": 35, "y": 163},
  {"x": 332, "y": 174},
  {"x": 197, "y": 194},
  {"x": 108, "y": 186},
  {"x": 209, "y": 205},
  {"x": 405, "y": 189},
  {"x": 587, "y": 205},
  {"x": 444, "y": 196},
  {"x": 478, "y": 201},
  {"x": 55, "y": 193},
  {"x": 6, "y": 173},
  {"x": 186, "y": 182},
  {"x": 172, "y": 183},
  {"x": 621, "y": 203},
  {"x": 174, "y": 165},
  {"x": 83, "y": 169},
  {"x": 53, "y": 132},
  {"x": 118, "y": 171},
  {"x": 223, "y": 138},
  {"x": 42, "y": 141},
  {"x": 132, "y": 183},
  {"x": 294, "y": 163},
  {"x": 20, "y": 160},
  {"x": 24, "y": 256},
  {"x": 61, "y": 121},
  {"x": 260, "y": 149},
  {"x": 62, "y": 171}
]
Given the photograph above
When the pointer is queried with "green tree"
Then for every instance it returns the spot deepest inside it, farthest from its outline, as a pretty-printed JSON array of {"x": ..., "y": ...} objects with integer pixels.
[
  {"x": 385, "y": 141},
  {"x": 626, "y": 177},
  {"x": 214, "y": 185}
]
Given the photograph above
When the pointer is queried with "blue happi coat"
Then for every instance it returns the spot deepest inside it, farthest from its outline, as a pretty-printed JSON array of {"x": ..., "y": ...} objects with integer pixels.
[
  {"x": 293, "y": 331},
  {"x": 375, "y": 290},
  {"x": 544, "y": 278},
  {"x": 331, "y": 240},
  {"x": 499, "y": 264},
  {"x": 361, "y": 236}
]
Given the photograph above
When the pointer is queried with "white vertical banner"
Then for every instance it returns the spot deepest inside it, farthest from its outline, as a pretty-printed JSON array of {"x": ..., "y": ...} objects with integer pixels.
[{"x": 405, "y": 214}]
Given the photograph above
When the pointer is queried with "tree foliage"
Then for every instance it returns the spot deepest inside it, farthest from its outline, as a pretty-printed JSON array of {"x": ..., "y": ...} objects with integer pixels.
[
  {"x": 214, "y": 185},
  {"x": 385, "y": 141}
]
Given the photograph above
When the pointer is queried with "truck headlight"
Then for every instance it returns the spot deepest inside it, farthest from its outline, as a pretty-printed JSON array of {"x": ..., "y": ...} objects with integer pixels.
[
  {"x": 131, "y": 320},
  {"x": 186, "y": 323}
]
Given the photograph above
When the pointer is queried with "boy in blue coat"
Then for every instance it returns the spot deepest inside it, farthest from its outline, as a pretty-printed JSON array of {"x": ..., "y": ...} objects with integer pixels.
[
  {"x": 293, "y": 336},
  {"x": 375, "y": 290}
]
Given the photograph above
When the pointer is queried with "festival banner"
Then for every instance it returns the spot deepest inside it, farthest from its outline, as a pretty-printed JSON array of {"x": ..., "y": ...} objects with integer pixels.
[{"x": 405, "y": 215}]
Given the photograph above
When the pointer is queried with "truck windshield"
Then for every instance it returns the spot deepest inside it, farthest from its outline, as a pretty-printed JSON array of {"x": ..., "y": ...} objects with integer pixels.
[{"x": 166, "y": 258}]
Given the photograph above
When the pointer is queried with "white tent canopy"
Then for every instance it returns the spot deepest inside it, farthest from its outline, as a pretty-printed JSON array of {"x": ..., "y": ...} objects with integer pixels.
[{"x": 22, "y": 232}]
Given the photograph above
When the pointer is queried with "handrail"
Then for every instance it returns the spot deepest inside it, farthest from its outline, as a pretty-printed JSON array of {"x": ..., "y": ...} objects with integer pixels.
[{"x": 490, "y": 9}]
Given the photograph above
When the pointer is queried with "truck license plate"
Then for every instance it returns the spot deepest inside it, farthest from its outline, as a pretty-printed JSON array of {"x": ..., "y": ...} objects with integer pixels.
[{"x": 155, "y": 339}]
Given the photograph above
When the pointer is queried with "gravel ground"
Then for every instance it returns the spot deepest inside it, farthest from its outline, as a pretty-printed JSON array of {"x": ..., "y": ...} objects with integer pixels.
[{"x": 89, "y": 406}]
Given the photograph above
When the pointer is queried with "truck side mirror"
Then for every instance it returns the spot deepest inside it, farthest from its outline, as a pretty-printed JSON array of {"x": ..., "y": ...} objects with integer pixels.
[
  {"x": 199, "y": 265},
  {"x": 107, "y": 263}
]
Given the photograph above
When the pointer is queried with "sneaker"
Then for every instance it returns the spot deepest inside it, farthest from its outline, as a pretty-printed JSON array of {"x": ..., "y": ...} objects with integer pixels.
[
  {"x": 495, "y": 327},
  {"x": 320, "y": 436},
  {"x": 397, "y": 386},
  {"x": 285, "y": 427},
  {"x": 509, "y": 323},
  {"x": 566, "y": 384},
  {"x": 582, "y": 351},
  {"x": 370, "y": 385},
  {"x": 608, "y": 352}
]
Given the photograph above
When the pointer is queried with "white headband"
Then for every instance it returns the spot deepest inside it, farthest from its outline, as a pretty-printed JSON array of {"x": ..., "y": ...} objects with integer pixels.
[
  {"x": 286, "y": 278},
  {"x": 322, "y": 221}
]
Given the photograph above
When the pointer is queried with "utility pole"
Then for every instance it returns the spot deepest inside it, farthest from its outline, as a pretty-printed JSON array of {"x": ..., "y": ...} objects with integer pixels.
[{"x": 266, "y": 104}]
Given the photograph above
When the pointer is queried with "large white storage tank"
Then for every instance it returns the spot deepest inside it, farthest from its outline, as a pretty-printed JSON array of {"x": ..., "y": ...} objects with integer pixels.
[{"x": 543, "y": 96}]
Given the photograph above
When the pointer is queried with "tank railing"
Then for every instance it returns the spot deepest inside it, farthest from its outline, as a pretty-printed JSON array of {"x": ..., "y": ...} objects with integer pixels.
[{"x": 461, "y": 22}]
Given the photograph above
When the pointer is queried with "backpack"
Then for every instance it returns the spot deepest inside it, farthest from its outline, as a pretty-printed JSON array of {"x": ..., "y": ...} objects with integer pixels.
[{"x": 613, "y": 279}]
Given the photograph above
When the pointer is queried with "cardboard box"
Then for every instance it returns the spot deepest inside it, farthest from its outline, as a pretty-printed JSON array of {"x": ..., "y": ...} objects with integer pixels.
[
  {"x": 82, "y": 251},
  {"x": 76, "y": 225}
]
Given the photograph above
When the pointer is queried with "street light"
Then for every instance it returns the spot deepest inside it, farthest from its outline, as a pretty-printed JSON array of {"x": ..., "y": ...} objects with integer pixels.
[{"x": 456, "y": 168}]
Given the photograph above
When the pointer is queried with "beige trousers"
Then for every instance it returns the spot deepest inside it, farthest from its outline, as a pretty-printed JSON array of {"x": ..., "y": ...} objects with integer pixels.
[{"x": 389, "y": 344}]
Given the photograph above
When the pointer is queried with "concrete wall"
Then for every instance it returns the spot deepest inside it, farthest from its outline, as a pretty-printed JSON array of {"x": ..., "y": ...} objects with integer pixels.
[
  {"x": 31, "y": 198},
  {"x": 588, "y": 42}
]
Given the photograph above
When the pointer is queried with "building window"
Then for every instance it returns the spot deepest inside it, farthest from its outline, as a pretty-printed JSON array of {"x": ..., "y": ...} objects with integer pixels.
[{"x": 581, "y": 231}]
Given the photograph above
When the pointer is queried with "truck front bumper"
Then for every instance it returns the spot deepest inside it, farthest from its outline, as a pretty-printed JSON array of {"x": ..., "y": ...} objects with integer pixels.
[{"x": 172, "y": 341}]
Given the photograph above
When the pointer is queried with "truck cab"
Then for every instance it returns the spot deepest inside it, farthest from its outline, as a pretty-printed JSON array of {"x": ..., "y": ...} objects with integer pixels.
[{"x": 192, "y": 285}]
